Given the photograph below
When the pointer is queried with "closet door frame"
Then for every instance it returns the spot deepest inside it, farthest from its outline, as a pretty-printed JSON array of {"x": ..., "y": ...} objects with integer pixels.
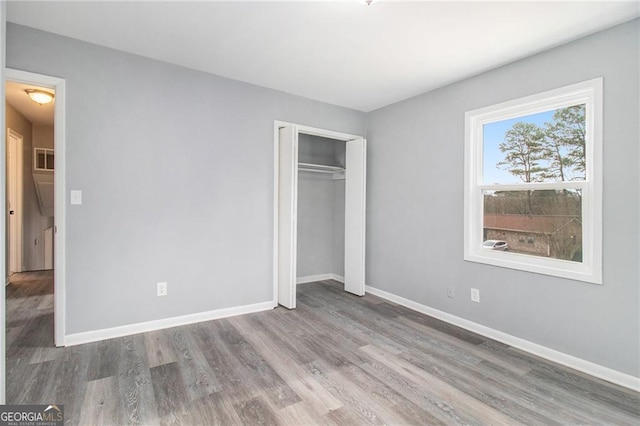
[{"x": 359, "y": 287}]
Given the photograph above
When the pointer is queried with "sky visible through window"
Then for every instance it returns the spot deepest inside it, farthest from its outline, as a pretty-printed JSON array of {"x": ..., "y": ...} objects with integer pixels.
[{"x": 493, "y": 135}]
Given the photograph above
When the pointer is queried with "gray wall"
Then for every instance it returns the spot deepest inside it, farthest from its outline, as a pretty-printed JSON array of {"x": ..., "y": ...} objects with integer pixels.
[
  {"x": 338, "y": 227},
  {"x": 415, "y": 207},
  {"x": 33, "y": 223},
  {"x": 315, "y": 224},
  {"x": 43, "y": 136},
  {"x": 176, "y": 169}
]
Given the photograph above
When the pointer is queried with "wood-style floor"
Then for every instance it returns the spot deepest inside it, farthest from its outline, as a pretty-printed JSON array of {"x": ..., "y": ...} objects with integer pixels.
[{"x": 337, "y": 359}]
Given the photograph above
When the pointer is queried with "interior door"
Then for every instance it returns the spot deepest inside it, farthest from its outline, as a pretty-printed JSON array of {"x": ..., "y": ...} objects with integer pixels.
[
  {"x": 354, "y": 244},
  {"x": 287, "y": 215},
  {"x": 12, "y": 196}
]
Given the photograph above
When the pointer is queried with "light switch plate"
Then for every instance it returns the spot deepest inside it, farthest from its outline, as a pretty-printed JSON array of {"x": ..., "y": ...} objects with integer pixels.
[{"x": 76, "y": 197}]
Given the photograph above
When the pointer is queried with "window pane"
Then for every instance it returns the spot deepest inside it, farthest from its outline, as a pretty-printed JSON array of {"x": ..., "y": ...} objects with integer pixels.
[
  {"x": 539, "y": 223},
  {"x": 50, "y": 160},
  {"x": 544, "y": 147},
  {"x": 40, "y": 159}
]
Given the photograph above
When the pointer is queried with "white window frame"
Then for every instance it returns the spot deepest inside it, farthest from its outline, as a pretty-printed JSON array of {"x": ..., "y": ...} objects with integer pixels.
[{"x": 590, "y": 269}]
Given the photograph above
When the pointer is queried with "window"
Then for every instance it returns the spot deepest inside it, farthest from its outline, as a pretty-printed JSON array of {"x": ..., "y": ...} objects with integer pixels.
[
  {"x": 43, "y": 159},
  {"x": 533, "y": 180}
]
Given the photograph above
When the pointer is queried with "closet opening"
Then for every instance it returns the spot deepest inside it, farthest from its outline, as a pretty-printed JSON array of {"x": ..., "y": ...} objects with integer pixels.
[
  {"x": 319, "y": 209},
  {"x": 321, "y": 179}
]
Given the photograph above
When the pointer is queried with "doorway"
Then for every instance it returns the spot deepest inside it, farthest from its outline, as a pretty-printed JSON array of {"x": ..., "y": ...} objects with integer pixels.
[
  {"x": 287, "y": 165},
  {"x": 46, "y": 166}
]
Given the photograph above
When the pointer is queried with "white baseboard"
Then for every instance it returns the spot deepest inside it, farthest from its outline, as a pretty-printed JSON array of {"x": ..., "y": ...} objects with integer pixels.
[
  {"x": 588, "y": 367},
  {"x": 143, "y": 327},
  {"x": 320, "y": 277}
]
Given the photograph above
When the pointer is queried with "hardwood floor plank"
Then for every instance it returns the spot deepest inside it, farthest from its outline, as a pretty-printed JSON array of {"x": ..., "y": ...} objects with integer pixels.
[
  {"x": 300, "y": 413},
  {"x": 342, "y": 416},
  {"x": 171, "y": 393},
  {"x": 102, "y": 405},
  {"x": 214, "y": 409},
  {"x": 35, "y": 380},
  {"x": 159, "y": 348},
  {"x": 198, "y": 375},
  {"x": 135, "y": 383},
  {"x": 103, "y": 359},
  {"x": 256, "y": 412}
]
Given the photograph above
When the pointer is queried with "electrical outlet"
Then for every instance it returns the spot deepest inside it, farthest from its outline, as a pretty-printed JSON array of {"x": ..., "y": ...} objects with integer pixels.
[
  {"x": 162, "y": 289},
  {"x": 451, "y": 292},
  {"x": 475, "y": 295}
]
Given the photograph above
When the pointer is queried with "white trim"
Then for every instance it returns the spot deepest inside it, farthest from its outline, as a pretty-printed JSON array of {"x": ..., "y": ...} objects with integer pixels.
[
  {"x": 590, "y": 269},
  {"x": 320, "y": 277},
  {"x": 59, "y": 293},
  {"x": 579, "y": 364},
  {"x": 19, "y": 223},
  {"x": 144, "y": 327},
  {"x": 314, "y": 131}
]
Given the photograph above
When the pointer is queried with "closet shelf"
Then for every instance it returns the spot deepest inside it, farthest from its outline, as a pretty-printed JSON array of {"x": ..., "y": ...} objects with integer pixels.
[{"x": 321, "y": 168}]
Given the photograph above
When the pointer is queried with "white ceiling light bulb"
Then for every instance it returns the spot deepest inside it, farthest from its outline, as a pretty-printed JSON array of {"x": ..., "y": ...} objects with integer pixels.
[{"x": 40, "y": 96}]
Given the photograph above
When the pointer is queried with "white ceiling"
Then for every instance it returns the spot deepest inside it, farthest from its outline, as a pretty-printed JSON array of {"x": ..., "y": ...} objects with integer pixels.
[
  {"x": 16, "y": 96},
  {"x": 340, "y": 52}
]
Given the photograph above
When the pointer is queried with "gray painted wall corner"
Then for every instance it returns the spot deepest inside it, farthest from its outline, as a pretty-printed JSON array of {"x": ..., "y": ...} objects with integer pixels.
[{"x": 415, "y": 207}]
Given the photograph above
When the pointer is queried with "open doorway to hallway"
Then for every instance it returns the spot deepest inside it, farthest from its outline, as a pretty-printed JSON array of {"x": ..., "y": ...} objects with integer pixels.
[
  {"x": 29, "y": 226},
  {"x": 42, "y": 160},
  {"x": 30, "y": 177}
]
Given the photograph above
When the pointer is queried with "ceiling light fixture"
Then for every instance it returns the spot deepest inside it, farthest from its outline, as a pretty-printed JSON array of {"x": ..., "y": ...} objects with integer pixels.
[{"x": 40, "y": 96}]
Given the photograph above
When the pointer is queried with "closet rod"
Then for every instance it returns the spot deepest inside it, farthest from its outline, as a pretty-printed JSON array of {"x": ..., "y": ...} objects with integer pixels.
[{"x": 309, "y": 167}]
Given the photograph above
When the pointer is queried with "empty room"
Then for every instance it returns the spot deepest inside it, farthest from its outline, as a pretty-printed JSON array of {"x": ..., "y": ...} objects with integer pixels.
[{"x": 333, "y": 212}]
